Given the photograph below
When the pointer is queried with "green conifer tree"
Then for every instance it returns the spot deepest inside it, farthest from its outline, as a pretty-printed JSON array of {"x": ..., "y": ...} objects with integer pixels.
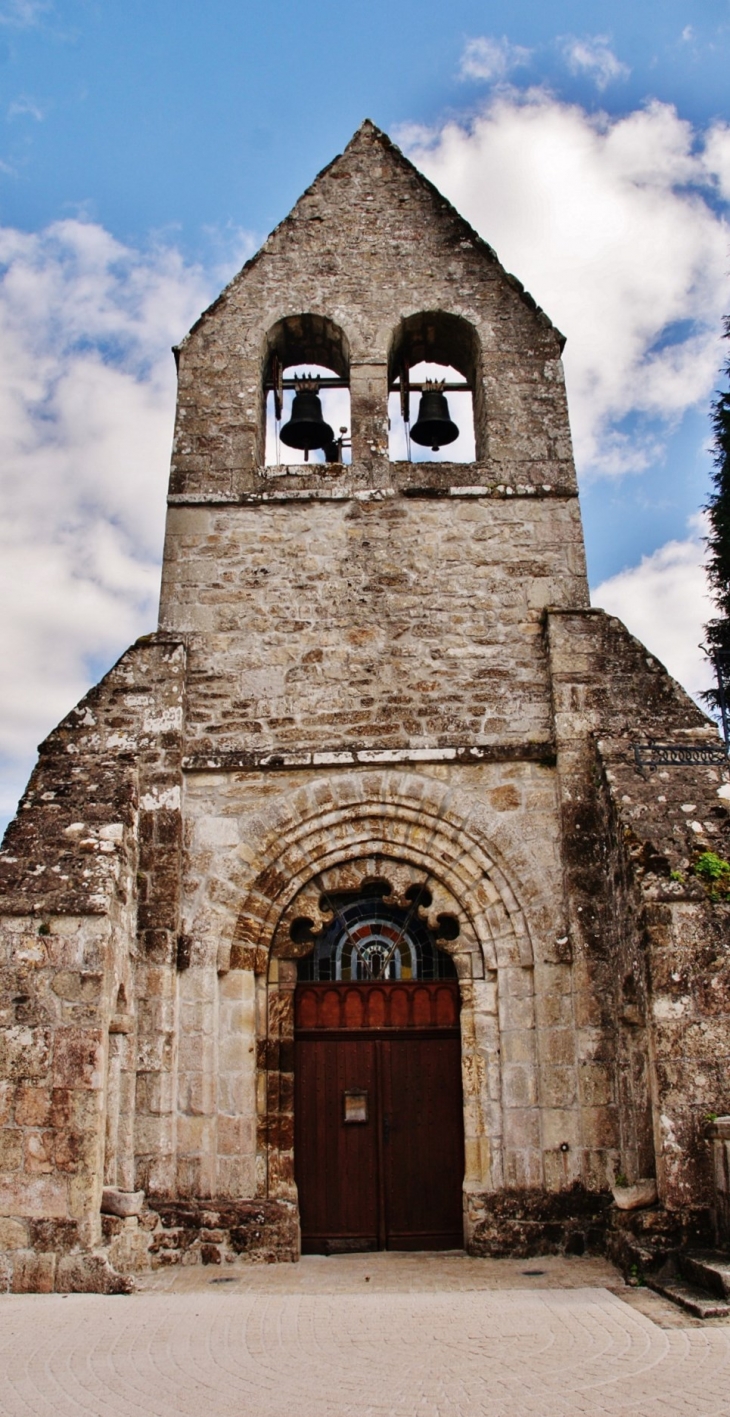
[{"x": 717, "y": 631}]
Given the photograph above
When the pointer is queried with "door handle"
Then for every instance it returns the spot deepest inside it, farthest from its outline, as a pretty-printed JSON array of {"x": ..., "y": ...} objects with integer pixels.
[{"x": 386, "y": 1129}]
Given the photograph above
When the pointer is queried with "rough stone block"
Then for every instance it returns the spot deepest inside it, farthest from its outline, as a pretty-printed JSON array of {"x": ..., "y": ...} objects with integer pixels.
[
  {"x": 560, "y": 1126},
  {"x": 33, "y": 1273},
  {"x": 25, "y": 1053},
  {"x": 78, "y": 1058},
  {"x": 13, "y": 1234},
  {"x": 556, "y": 1046},
  {"x": 520, "y": 1085},
  {"x": 89, "y": 1274},
  {"x": 33, "y": 1196},
  {"x": 32, "y": 1106},
  {"x": 558, "y": 1086},
  {"x": 522, "y": 1129},
  {"x": 121, "y": 1203},
  {"x": 11, "y": 1149},
  {"x": 596, "y": 1084},
  {"x": 517, "y": 1045}
]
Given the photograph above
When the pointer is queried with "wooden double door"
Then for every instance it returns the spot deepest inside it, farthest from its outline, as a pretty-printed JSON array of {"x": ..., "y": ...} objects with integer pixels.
[{"x": 378, "y": 1135}]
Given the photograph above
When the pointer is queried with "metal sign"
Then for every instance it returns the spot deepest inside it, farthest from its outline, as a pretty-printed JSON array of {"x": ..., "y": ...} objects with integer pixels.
[{"x": 664, "y": 755}]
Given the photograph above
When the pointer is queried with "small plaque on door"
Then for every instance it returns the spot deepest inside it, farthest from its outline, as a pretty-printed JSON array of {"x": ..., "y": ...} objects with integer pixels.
[{"x": 355, "y": 1106}]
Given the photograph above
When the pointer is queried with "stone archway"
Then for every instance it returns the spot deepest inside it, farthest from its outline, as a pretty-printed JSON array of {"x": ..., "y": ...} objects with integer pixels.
[{"x": 408, "y": 830}]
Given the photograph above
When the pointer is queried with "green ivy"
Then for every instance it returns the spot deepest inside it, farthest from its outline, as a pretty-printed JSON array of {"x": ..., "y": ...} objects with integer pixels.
[{"x": 714, "y": 872}]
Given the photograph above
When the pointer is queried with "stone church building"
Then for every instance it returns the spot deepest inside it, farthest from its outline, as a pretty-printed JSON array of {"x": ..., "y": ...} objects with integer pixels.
[{"x": 359, "y": 905}]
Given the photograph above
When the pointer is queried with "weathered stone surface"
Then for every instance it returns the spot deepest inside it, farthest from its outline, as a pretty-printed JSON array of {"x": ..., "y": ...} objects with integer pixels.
[
  {"x": 89, "y": 1274},
  {"x": 380, "y": 671},
  {"x": 121, "y": 1203},
  {"x": 260, "y": 1230},
  {"x": 635, "y": 1197},
  {"x": 532, "y": 1222}
]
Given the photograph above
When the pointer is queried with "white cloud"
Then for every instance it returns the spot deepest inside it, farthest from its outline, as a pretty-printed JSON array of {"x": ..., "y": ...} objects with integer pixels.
[
  {"x": 87, "y": 393},
  {"x": 489, "y": 58},
  {"x": 717, "y": 158},
  {"x": 23, "y": 14},
  {"x": 665, "y": 601},
  {"x": 612, "y": 225},
  {"x": 25, "y": 107},
  {"x": 593, "y": 56}
]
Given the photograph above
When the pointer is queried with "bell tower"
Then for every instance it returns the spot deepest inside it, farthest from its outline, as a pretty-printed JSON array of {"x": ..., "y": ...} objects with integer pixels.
[
  {"x": 416, "y": 587},
  {"x": 349, "y": 909}
]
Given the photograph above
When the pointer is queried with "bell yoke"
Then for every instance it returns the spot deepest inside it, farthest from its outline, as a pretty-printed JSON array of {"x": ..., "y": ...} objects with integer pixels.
[{"x": 308, "y": 431}]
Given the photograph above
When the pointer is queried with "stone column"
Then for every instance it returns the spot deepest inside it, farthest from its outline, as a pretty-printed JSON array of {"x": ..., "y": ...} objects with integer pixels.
[
  {"x": 111, "y": 1132},
  {"x": 369, "y": 416}
]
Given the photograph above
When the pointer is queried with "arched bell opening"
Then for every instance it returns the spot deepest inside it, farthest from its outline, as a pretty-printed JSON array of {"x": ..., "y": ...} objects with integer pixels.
[
  {"x": 307, "y": 392},
  {"x": 435, "y": 397}
]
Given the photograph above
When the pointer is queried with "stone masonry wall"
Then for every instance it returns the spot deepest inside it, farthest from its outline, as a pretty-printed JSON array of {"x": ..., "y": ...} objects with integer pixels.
[
  {"x": 86, "y": 1025},
  {"x": 320, "y": 625},
  {"x": 661, "y": 973}
]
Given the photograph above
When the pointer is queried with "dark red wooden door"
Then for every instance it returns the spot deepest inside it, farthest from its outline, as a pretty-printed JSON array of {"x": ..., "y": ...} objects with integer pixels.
[
  {"x": 337, "y": 1163},
  {"x": 378, "y": 1138}
]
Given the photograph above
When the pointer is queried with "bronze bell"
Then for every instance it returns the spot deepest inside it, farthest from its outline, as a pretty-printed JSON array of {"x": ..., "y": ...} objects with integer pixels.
[
  {"x": 434, "y": 427},
  {"x": 306, "y": 428}
]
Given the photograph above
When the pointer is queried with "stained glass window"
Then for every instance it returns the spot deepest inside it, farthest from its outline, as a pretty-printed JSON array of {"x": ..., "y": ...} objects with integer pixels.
[{"x": 368, "y": 939}]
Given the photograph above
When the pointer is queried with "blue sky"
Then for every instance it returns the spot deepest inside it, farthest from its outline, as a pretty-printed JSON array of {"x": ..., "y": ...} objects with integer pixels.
[
  {"x": 146, "y": 149},
  {"x": 162, "y": 116}
]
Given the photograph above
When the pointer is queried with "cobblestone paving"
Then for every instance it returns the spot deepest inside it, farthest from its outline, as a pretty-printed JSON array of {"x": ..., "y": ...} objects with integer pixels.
[{"x": 366, "y": 1335}]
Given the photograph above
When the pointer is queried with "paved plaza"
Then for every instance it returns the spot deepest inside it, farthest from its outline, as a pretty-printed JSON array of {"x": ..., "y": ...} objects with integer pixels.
[{"x": 361, "y": 1335}]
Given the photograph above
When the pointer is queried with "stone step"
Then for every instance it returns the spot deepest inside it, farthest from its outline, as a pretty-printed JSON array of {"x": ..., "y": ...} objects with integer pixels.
[
  {"x": 707, "y": 1270},
  {"x": 696, "y": 1301}
]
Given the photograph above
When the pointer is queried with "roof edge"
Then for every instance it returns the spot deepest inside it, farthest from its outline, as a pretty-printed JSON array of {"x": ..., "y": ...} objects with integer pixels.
[{"x": 369, "y": 129}]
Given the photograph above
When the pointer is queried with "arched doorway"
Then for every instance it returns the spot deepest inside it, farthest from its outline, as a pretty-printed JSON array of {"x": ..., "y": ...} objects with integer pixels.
[{"x": 378, "y": 1136}]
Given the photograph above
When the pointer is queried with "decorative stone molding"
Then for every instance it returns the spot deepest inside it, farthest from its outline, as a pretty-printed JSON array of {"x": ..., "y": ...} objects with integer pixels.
[{"x": 394, "y": 818}]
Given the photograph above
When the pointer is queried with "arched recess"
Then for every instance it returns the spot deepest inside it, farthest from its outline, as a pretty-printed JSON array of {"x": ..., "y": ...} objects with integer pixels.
[
  {"x": 408, "y": 838},
  {"x": 442, "y": 338},
  {"x": 299, "y": 340},
  {"x": 120, "y": 1089}
]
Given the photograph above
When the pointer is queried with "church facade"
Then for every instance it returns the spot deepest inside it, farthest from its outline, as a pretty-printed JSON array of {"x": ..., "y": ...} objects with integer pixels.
[{"x": 362, "y": 904}]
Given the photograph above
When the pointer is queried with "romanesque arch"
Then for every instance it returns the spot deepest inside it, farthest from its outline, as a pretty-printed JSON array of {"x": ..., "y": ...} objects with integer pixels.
[
  {"x": 445, "y": 338},
  {"x": 408, "y": 830}
]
